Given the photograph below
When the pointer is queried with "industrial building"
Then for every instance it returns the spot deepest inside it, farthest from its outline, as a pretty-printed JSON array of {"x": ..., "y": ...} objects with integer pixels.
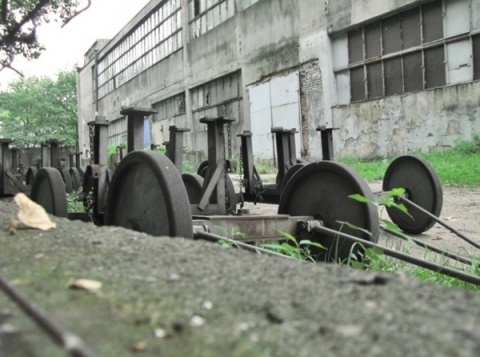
[{"x": 392, "y": 76}]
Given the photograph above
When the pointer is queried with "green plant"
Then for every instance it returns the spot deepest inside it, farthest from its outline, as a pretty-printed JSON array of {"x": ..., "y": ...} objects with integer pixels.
[
  {"x": 292, "y": 247},
  {"x": 234, "y": 232},
  {"x": 371, "y": 170},
  {"x": 188, "y": 168},
  {"x": 456, "y": 167},
  {"x": 468, "y": 147},
  {"x": 373, "y": 258},
  {"x": 265, "y": 167},
  {"x": 74, "y": 202}
]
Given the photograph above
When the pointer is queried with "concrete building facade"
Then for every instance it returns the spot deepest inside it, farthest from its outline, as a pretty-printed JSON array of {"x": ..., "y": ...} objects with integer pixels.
[{"x": 394, "y": 76}]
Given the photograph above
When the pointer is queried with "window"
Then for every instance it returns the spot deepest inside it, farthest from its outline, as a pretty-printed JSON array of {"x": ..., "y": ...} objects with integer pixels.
[
  {"x": 425, "y": 47},
  {"x": 196, "y": 8},
  {"x": 476, "y": 57},
  {"x": 149, "y": 43},
  {"x": 207, "y": 14}
]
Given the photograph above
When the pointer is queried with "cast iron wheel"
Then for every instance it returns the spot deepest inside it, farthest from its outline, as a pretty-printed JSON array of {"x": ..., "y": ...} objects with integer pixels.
[
  {"x": 321, "y": 190},
  {"x": 76, "y": 178},
  {"x": 147, "y": 194},
  {"x": 289, "y": 174},
  {"x": 48, "y": 190},
  {"x": 202, "y": 168},
  {"x": 30, "y": 175},
  {"x": 422, "y": 186},
  {"x": 67, "y": 180},
  {"x": 193, "y": 185}
]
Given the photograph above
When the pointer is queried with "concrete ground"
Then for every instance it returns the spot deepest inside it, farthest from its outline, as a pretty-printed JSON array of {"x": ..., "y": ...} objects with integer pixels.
[{"x": 177, "y": 297}]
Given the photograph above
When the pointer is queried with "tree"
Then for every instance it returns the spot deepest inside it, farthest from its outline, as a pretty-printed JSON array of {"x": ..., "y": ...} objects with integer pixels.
[
  {"x": 19, "y": 20},
  {"x": 36, "y": 109}
]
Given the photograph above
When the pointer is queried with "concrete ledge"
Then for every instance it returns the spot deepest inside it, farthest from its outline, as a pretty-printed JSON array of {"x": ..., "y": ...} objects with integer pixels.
[{"x": 215, "y": 301}]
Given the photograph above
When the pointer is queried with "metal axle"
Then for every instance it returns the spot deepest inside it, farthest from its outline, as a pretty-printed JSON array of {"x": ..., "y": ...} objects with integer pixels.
[
  {"x": 438, "y": 220},
  {"x": 469, "y": 278},
  {"x": 71, "y": 343}
]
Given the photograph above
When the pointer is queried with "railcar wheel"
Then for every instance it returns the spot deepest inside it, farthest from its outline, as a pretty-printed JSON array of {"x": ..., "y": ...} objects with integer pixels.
[
  {"x": 76, "y": 178},
  {"x": 30, "y": 175},
  {"x": 290, "y": 172},
  {"x": 193, "y": 185},
  {"x": 422, "y": 186},
  {"x": 147, "y": 194},
  {"x": 48, "y": 190},
  {"x": 67, "y": 180},
  {"x": 202, "y": 168},
  {"x": 322, "y": 190}
]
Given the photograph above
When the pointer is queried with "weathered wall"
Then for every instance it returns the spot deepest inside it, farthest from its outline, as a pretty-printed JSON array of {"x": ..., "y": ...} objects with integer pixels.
[
  {"x": 275, "y": 37},
  {"x": 86, "y": 109},
  {"x": 427, "y": 121}
]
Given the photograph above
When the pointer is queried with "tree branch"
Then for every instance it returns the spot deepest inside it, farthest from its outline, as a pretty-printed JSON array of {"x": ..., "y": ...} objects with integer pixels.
[
  {"x": 10, "y": 38},
  {"x": 77, "y": 13}
]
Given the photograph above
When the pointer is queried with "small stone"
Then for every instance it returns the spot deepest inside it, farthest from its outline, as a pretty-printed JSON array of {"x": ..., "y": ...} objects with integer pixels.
[
  {"x": 173, "y": 277},
  {"x": 349, "y": 330},
  {"x": 7, "y": 329},
  {"x": 243, "y": 326},
  {"x": 197, "y": 321},
  {"x": 140, "y": 347},
  {"x": 160, "y": 333},
  {"x": 207, "y": 305}
]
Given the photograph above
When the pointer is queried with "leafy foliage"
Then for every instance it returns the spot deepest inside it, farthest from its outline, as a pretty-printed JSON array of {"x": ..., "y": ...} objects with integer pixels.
[
  {"x": 19, "y": 21},
  {"x": 293, "y": 248},
  {"x": 468, "y": 147},
  {"x": 36, "y": 109}
]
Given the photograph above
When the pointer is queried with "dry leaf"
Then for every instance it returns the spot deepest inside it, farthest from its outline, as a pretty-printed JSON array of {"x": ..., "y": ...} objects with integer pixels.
[
  {"x": 12, "y": 227},
  {"x": 32, "y": 214},
  {"x": 140, "y": 346},
  {"x": 86, "y": 284}
]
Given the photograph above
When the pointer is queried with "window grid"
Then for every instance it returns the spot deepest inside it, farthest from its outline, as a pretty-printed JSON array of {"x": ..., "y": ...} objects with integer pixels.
[
  {"x": 157, "y": 37},
  {"x": 204, "y": 15},
  {"x": 402, "y": 53}
]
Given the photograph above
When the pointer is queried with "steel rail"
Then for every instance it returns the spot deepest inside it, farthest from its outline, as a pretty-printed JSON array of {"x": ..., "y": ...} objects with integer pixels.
[
  {"x": 469, "y": 278},
  {"x": 215, "y": 238},
  {"x": 438, "y": 220},
  {"x": 72, "y": 344},
  {"x": 456, "y": 257}
]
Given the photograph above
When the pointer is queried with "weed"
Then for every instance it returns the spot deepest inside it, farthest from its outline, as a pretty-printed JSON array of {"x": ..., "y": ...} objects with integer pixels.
[
  {"x": 300, "y": 250},
  {"x": 234, "y": 233},
  {"x": 74, "y": 202},
  {"x": 468, "y": 147},
  {"x": 265, "y": 167},
  {"x": 457, "y": 167},
  {"x": 374, "y": 259}
]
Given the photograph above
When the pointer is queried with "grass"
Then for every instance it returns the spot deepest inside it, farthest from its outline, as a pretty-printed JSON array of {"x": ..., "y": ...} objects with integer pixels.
[
  {"x": 377, "y": 261},
  {"x": 457, "y": 167}
]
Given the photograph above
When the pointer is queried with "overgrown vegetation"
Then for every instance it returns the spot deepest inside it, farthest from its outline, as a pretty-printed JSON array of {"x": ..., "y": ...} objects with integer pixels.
[
  {"x": 375, "y": 260},
  {"x": 265, "y": 167},
  {"x": 292, "y": 247},
  {"x": 456, "y": 167}
]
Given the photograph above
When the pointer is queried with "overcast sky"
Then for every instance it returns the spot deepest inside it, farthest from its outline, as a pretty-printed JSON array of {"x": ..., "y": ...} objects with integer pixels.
[{"x": 66, "y": 46}]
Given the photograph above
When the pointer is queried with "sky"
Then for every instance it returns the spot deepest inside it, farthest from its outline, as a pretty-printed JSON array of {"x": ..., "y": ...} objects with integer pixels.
[{"x": 66, "y": 46}]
